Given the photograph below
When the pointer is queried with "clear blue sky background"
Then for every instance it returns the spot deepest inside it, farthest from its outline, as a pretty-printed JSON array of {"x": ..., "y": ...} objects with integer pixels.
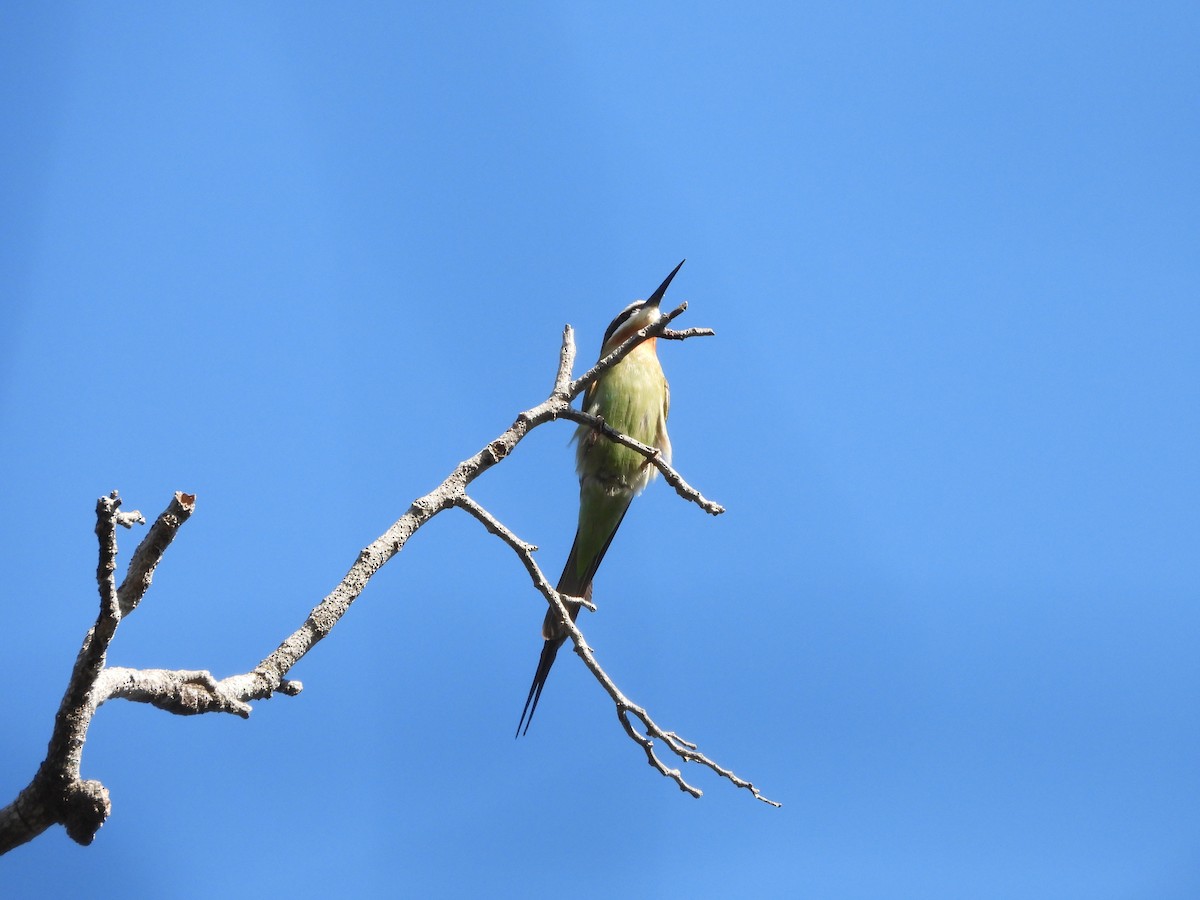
[{"x": 301, "y": 260}]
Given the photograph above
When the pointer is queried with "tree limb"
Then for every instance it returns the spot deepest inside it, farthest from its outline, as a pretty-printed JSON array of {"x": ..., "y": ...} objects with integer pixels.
[
  {"x": 58, "y": 795},
  {"x": 685, "y": 750},
  {"x": 653, "y": 456}
]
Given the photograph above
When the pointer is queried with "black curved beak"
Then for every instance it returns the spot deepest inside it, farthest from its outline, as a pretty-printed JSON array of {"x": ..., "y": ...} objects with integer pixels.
[{"x": 657, "y": 296}]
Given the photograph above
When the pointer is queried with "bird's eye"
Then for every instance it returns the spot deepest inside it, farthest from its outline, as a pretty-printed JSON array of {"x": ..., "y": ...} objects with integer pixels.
[{"x": 624, "y": 316}]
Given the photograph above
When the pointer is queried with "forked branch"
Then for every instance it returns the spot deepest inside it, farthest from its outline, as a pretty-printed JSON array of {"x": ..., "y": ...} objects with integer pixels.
[
  {"x": 57, "y": 794},
  {"x": 685, "y": 750}
]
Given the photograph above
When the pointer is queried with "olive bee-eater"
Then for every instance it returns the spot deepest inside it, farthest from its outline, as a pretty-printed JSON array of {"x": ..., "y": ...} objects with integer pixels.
[{"x": 633, "y": 398}]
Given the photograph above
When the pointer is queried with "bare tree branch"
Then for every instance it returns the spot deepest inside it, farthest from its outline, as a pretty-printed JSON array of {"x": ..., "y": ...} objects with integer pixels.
[
  {"x": 672, "y": 335},
  {"x": 150, "y": 551},
  {"x": 58, "y": 795},
  {"x": 183, "y": 692},
  {"x": 523, "y": 550},
  {"x": 685, "y": 750},
  {"x": 653, "y": 457},
  {"x": 658, "y": 329}
]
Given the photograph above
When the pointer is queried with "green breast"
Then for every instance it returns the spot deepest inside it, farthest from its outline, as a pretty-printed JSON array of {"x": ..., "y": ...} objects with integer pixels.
[{"x": 631, "y": 398}]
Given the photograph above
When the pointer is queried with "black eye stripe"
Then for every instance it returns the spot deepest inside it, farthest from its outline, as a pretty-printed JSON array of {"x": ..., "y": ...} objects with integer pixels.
[{"x": 622, "y": 317}]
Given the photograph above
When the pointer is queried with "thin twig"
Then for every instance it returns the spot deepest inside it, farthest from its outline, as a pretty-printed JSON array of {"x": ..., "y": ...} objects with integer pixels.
[
  {"x": 653, "y": 456},
  {"x": 655, "y": 330},
  {"x": 150, "y": 551},
  {"x": 523, "y": 550},
  {"x": 672, "y": 335},
  {"x": 685, "y": 750}
]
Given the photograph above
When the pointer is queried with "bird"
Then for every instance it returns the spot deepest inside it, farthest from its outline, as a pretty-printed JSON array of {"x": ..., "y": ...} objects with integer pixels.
[{"x": 633, "y": 398}]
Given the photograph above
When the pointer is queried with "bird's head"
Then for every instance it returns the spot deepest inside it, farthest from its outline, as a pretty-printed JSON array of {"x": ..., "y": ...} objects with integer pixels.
[{"x": 636, "y": 316}]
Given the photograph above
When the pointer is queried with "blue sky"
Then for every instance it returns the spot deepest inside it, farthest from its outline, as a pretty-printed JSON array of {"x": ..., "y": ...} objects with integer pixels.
[{"x": 300, "y": 260}]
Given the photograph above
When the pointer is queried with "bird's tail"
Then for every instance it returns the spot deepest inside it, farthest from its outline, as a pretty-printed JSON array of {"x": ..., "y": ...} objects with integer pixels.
[
  {"x": 545, "y": 661},
  {"x": 572, "y": 583},
  {"x": 555, "y": 635}
]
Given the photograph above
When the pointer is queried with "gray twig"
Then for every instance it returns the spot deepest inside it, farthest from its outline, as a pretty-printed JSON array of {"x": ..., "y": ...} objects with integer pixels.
[{"x": 653, "y": 457}]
